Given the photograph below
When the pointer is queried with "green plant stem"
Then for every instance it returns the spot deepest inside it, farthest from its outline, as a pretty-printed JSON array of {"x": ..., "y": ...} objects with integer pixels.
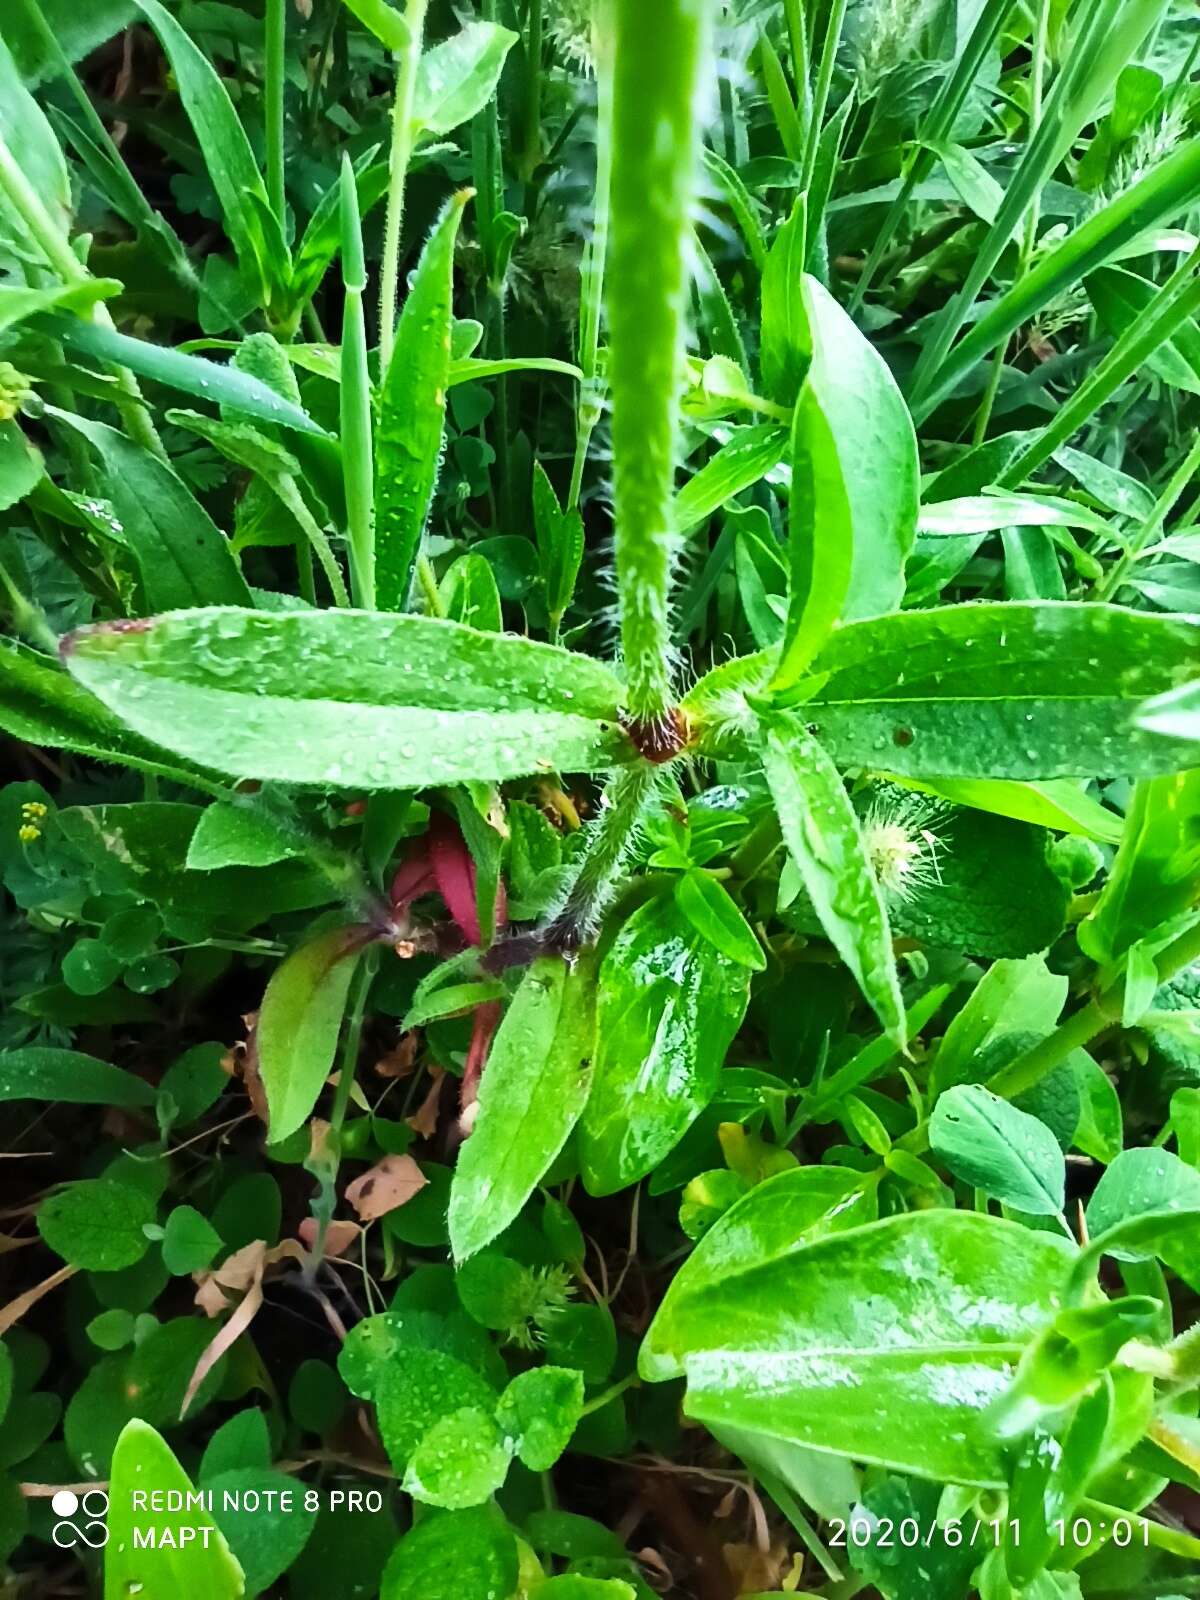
[
  {"x": 531, "y": 153},
  {"x": 590, "y": 394},
  {"x": 610, "y": 839},
  {"x": 427, "y": 578},
  {"x": 54, "y": 245},
  {"x": 400, "y": 156},
  {"x": 274, "y": 51},
  {"x": 347, "y": 1067},
  {"x": 659, "y": 59},
  {"x": 820, "y": 97},
  {"x": 1163, "y": 507},
  {"x": 28, "y": 619},
  {"x": 1074, "y": 1033},
  {"x": 358, "y": 467},
  {"x": 611, "y": 1393}
]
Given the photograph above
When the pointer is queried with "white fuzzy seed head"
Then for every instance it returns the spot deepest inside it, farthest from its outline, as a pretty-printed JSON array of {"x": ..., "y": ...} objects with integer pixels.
[{"x": 900, "y": 832}]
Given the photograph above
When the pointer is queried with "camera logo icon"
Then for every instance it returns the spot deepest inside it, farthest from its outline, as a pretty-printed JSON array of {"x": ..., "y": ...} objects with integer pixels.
[{"x": 69, "y": 1532}]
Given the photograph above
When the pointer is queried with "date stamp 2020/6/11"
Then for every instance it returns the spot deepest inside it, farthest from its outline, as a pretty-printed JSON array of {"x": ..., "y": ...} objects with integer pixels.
[{"x": 863, "y": 1531}]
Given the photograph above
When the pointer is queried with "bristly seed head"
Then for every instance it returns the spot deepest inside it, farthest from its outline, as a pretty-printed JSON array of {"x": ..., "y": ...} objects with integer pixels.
[{"x": 900, "y": 831}]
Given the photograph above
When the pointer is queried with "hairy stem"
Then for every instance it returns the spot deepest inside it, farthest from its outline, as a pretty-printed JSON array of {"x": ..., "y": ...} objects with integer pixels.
[
  {"x": 274, "y": 47},
  {"x": 610, "y": 839},
  {"x": 401, "y": 155},
  {"x": 660, "y": 53}
]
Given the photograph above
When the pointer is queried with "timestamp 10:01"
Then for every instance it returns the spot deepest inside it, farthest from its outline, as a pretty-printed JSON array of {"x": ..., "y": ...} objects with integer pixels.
[{"x": 1078, "y": 1533}]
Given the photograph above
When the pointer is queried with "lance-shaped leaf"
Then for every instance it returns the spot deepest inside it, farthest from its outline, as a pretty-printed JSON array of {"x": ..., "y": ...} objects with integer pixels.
[
  {"x": 225, "y": 148},
  {"x": 746, "y": 457},
  {"x": 371, "y": 700},
  {"x": 458, "y": 77},
  {"x": 530, "y": 1096},
  {"x": 412, "y": 412},
  {"x": 885, "y": 1342},
  {"x": 1021, "y": 689},
  {"x": 668, "y": 1005},
  {"x": 824, "y": 838},
  {"x": 299, "y": 1024},
  {"x": 1156, "y": 874},
  {"x": 183, "y": 558},
  {"x": 190, "y": 1554},
  {"x": 42, "y": 705}
]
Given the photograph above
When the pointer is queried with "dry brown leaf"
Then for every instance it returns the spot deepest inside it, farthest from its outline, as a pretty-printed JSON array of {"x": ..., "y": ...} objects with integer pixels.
[
  {"x": 340, "y": 1236},
  {"x": 424, "y": 1119},
  {"x": 398, "y": 1062},
  {"x": 16, "y": 1309},
  {"x": 389, "y": 1184},
  {"x": 243, "y": 1272}
]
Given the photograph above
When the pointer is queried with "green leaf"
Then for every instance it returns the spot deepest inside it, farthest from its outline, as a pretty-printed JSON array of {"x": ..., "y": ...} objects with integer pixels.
[
  {"x": 182, "y": 557},
  {"x": 352, "y": 698},
  {"x": 714, "y": 914},
  {"x": 1011, "y": 997},
  {"x": 190, "y": 1242},
  {"x": 462, "y": 1555},
  {"x": 42, "y": 705},
  {"x": 21, "y": 465},
  {"x": 226, "y": 151},
  {"x": 299, "y": 1024},
  {"x": 821, "y": 537},
  {"x": 457, "y": 78},
  {"x": 460, "y": 1462},
  {"x": 201, "y": 1564},
  {"x": 886, "y": 1342},
  {"x": 965, "y": 903},
  {"x": 560, "y": 543},
  {"x": 30, "y": 138},
  {"x": 411, "y": 1399},
  {"x": 1156, "y": 874},
  {"x": 916, "y": 692},
  {"x": 780, "y": 1216},
  {"x": 748, "y": 456},
  {"x": 229, "y": 835},
  {"x": 228, "y": 386},
  {"x": 668, "y": 1005},
  {"x": 824, "y": 838},
  {"x": 384, "y": 21},
  {"x": 786, "y": 337},
  {"x": 876, "y": 446},
  {"x": 530, "y": 1098},
  {"x": 1120, "y": 298},
  {"x": 412, "y": 411},
  {"x": 76, "y": 32},
  {"x": 539, "y": 1411},
  {"x": 97, "y": 1224},
  {"x": 988, "y": 513},
  {"x": 994, "y": 1147},
  {"x": 1141, "y": 1182},
  {"x": 469, "y": 593},
  {"x": 267, "y": 1535},
  {"x": 1054, "y": 804},
  {"x": 42, "y": 1073}
]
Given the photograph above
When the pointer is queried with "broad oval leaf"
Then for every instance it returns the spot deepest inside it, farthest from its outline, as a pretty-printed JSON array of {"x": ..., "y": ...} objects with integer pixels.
[
  {"x": 530, "y": 1097},
  {"x": 342, "y": 697},
  {"x": 994, "y": 1147},
  {"x": 668, "y": 1005},
  {"x": 824, "y": 838},
  {"x": 464, "y": 1555},
  {"x": 299, "y": 1024},
  {"x": 886, "y": 1343}
]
